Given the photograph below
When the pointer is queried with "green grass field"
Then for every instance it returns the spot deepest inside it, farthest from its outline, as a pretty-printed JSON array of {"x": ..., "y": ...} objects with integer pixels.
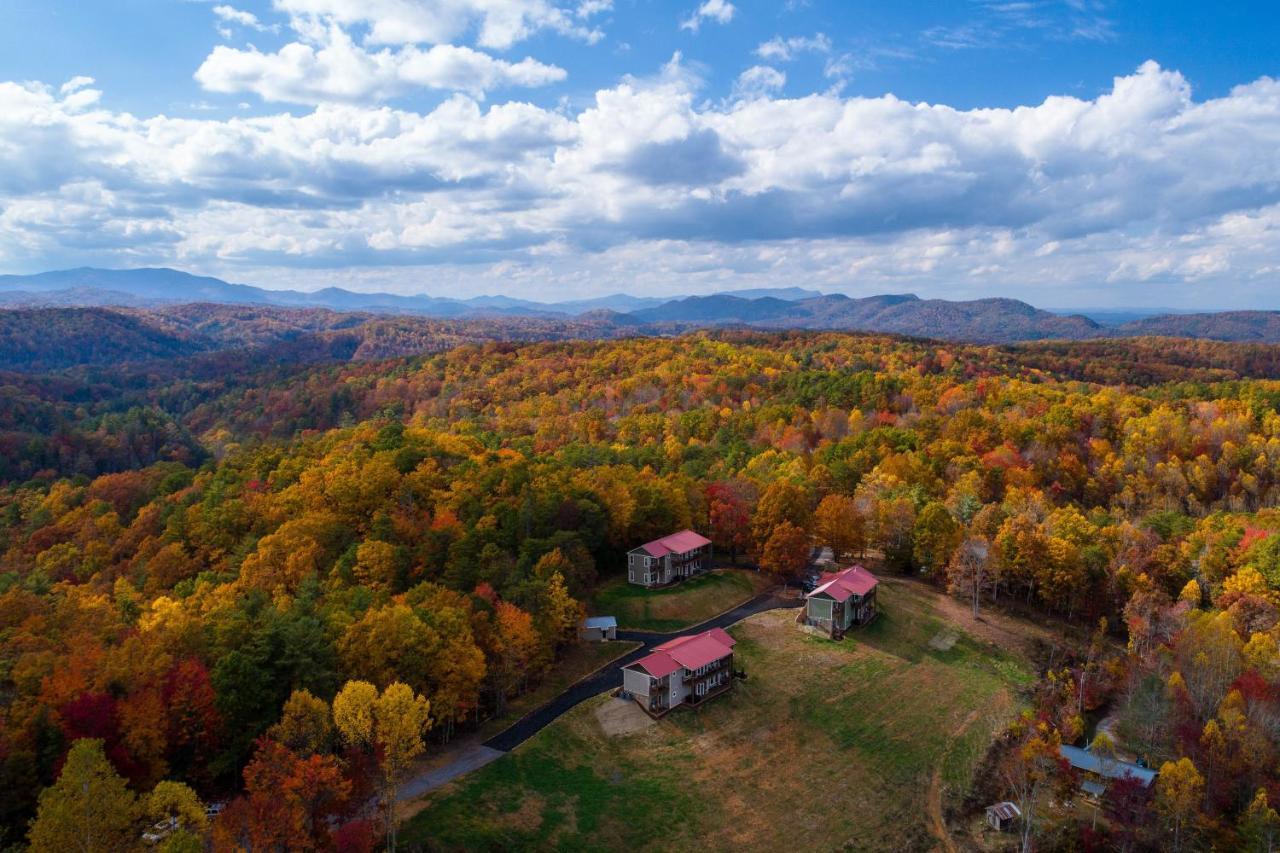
[
  {"x": 825, "y": 745},
  {"x": 675, "y": 607}
]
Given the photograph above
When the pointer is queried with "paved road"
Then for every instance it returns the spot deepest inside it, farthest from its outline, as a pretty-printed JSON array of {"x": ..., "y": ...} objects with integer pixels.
[
  {"x": 611, "y": 676},
  {"x": 472, "y": 758},
  {"x": 607, "y": 678}
]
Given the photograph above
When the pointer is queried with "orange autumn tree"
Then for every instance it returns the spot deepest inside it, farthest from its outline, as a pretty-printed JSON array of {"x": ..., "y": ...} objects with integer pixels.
[
  {"x": 286, "y": 804},
  {"x": 516, "y": 652},
  {"x": 840, "y": 526},
  {"x": 786, "y": 552}
]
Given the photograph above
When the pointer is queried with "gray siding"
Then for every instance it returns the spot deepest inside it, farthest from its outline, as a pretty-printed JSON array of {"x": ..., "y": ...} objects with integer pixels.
[
  {"x": 635, "y": 682},
  {"x": 678, "y": 688}
]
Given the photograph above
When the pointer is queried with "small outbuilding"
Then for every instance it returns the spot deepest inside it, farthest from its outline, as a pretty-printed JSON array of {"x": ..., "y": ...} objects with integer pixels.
[
  {"x": 1001, "y": 816},
  {"x": 597, "y": 629}
]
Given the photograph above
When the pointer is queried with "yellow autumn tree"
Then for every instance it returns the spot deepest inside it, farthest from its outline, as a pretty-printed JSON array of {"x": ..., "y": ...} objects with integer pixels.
[
  {"x": 1260, "y": 825},
  {"x": 305, "y": 726},
  {"x": 170, "y": 799},
  {"x": 282, "y": 559},
  {"x": 390, "y": 725},
  {"x": 387, "y": 644},
  {"x": 1179, "y": 792},
  {"x": 377, "y": 564},
  {"x": 561, "y": 613},
  {"x": 353, "y": 712},
  {"x": 1262, "y": 653}
]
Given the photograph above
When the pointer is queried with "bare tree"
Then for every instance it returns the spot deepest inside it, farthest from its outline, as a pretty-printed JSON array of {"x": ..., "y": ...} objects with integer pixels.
[
  {"x": 1090, "y": 663},
  {"x": 1030, "y": 768},
  {"x": 968, "y": 573}
]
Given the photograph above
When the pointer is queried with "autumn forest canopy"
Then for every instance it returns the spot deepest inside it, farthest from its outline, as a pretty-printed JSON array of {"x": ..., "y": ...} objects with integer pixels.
[{"x": 274, "y": 584}]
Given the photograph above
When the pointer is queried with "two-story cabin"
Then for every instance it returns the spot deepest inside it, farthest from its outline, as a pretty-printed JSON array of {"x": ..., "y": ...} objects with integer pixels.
[
  {"x": 842, "y": 600},
  {"x": 685, "y": 671},
  {"x": 669, "y": 559}
]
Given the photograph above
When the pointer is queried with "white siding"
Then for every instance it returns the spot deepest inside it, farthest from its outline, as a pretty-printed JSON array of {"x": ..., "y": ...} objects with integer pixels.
[{"x": 635, "y": 682}]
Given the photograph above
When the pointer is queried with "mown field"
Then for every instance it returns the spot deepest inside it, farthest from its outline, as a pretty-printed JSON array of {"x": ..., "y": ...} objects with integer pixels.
[
  {"x": 824, "y": 745},
  {"x": 675, "y": 607}
]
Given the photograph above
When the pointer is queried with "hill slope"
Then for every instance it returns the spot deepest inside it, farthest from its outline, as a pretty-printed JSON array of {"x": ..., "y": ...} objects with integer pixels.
[
  {"x": 54, "y": 338},
  {"x": 1004, "y": 320},
  {"x": 1244, "y": 326},
  {"x": 979, "y": 320}
]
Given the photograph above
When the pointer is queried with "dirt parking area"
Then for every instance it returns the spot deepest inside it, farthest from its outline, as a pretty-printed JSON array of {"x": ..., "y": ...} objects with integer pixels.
[{"x": 619, "y": 717}]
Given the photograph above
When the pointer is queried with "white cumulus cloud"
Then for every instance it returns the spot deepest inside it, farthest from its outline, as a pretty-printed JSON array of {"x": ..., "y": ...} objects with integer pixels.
[
  {"x": 720, "y": 11},
  {"x": 653, "y": 185},
  {"x": 337, "y": 69},
  {"x": 232, "y": 15},
  {"x": 779, "y": 49},
  {"x": 758, "y": 81},
  {"x": 500, "y": 23}
]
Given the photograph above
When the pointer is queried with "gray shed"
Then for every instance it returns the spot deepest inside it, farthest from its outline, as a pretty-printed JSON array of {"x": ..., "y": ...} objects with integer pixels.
[{"x": 599, "y": 628}]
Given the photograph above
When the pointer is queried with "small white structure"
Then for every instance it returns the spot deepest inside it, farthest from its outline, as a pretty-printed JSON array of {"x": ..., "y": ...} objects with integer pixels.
[{"x": 597, "y": 629}]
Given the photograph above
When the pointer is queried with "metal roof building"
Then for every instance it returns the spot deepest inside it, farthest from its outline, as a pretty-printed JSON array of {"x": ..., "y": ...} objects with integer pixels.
[
  {"x": 1083, "y": 759},
  {"x": 597, "y": 628}
]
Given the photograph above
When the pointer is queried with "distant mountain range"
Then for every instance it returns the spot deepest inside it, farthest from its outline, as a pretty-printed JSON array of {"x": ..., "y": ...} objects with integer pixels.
[
  {"x": 150, "y": 287},
  {"x": 976, "y": 320},
  {"x": 984, "y": 320}
]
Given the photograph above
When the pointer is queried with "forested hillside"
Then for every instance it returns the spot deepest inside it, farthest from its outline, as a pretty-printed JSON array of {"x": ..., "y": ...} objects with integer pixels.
[
  {"x": 53, "y": 338},
  {"x": 44, "y": 339},
  {"x": 434, "y": 522}
]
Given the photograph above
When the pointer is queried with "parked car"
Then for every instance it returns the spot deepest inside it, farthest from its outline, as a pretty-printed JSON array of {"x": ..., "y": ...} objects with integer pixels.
[{"x": 160, "y": 831}]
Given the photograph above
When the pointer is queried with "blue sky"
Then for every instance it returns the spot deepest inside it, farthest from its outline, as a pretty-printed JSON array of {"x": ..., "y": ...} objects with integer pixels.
[{"x": 1079, "y": 153}]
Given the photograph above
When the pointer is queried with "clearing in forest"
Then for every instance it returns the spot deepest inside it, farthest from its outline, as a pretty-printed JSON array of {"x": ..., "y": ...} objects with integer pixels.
[
  {"x": 826, "y": 744},
  {"x": 680, "y": 606}
]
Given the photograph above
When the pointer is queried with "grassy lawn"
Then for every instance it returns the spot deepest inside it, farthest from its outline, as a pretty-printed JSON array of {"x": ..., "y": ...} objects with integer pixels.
[
  {"x": 826, "y": 745},
  {"x": 687, "y": 603}
]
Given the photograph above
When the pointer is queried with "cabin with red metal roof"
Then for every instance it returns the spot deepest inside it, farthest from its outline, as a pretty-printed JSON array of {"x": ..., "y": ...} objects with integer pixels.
[
  {"x": 688, "y": 670},
  {"x": 669, "y": 560},
  {"x": 842, "y": 600}
]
